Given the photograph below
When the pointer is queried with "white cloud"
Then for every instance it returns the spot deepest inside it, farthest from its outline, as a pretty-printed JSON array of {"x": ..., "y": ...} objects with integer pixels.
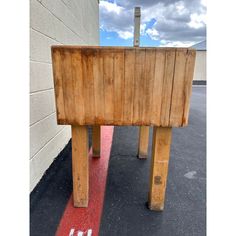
[
  {"x": 180, "y": 6},
  {"x": 115, "y": 18},
  {"x": 176, "y": 21},
  {"x": 197, "y": 20},
  {"x": 125, "y": 34},
  {"x": 152, "y": 33},
  {"x": 110, "y": 7},
  {"x": 165, "y": 43},
  {"x": 204, "y": 3}
]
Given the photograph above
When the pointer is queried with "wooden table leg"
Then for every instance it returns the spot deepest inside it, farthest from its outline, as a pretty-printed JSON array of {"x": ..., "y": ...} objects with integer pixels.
[
  {"x": 80, "y": 166},
  {"x": 96, "y": 137},
  {"x": 159, "y": 169},
  {"x": 143, "y": 142}
]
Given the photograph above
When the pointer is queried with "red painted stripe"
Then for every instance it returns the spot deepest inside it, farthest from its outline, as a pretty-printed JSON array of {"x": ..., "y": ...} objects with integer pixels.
[{"x": 89, "y": 218}]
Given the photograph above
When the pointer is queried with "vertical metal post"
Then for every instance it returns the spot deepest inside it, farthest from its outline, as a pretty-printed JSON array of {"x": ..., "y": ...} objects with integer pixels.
[{"x": 137, "y": 16}]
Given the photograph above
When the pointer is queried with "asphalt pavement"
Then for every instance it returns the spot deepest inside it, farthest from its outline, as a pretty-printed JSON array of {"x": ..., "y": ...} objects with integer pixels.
[{"x": 125, "y": 210}]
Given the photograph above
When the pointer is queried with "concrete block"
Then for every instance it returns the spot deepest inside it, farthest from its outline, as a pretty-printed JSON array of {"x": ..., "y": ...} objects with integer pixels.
[
  {"x": 40, "y": 76},
  {"x": 42, "y": 104},
  {"x": 44, "y": 158},
  {"x": 75, "y": 6},
  {"x": 45, "y": 22},
  {"x": 42, "y": 20},
  {"x": 42, "y": 132},
  {"x": 54, "y": 22},
  {"x": 61, "y": 11},
  {"x": 40, "y": 47}
]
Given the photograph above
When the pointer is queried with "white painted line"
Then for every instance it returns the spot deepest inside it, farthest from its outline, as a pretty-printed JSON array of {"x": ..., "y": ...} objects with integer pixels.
[
  {"x": 89, "y": 232},
  {"x": 80, "y": 233},
  {"x": 71, "y": 232}
]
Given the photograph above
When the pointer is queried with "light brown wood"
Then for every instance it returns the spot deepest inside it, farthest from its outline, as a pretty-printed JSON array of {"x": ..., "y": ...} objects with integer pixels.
[
  {"x": 142, "y": 101},
  {"x": 122, "y": 85},
  {"x": 148, "y": 83},
  {"x": 68, "y": 85},
  {"x": 158, "y": 87},
  {"x": 159, "y": 168},
  {"x": 139, "y": 82},
  {"x": 96, "y": 143},
  {"x": 58, "y": 85},
  {"x": 177, "y": 104},
  {"x": 99, "y": 95},
  {"x": 108, "y": 77},
  {"x": 143, "y": 142},
  {"x": 167, "y": 87},
  {"x": 119, "y": 83},
  {"x": 80, "y": 166},
  {"x": 128, "y": 86},
  {"x": 77, "y": 72},
  {"x": 147, "y": 101},
  {"x": 187, "y": 90},
  {"x": 88, "y": 84}
]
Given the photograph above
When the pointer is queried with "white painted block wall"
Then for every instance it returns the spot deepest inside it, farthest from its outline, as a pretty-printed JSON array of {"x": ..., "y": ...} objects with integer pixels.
[
  {"x": 200, "y": 66},
  {"x": 53, "y": 22}
]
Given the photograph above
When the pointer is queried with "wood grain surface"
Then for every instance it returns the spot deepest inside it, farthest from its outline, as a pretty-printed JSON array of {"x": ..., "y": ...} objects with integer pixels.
[
  {"x": 123, "y": 85},
  {"x": 159, "y": 168}
]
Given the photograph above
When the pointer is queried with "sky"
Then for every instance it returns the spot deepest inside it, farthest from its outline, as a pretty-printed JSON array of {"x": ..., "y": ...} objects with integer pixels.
[{"x": 167, "y": 23}]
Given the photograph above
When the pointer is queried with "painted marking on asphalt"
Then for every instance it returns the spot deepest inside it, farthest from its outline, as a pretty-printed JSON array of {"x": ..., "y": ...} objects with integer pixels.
[
  {"x": 72, "y": 232},
  {"x": 80, "y": 233},
  {"x": 191, "y": 175},
  {"x": 89, "y": 218}
]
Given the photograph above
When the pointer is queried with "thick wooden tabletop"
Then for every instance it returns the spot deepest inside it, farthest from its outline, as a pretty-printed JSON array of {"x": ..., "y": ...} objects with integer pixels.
[{"x": 123, "y": 85}]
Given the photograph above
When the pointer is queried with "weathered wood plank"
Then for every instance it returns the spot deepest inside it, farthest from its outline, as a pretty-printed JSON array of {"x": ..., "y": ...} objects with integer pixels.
[
  {"x": 78, "y": 81},
  {"x": 58, "y": 85},
  {"x": 148, "y": 84},
  {"x": 80, "y": 166},
  {"x": 98, "y": 86},
  {"x": 123, "y": 86},
  {"x": 128, "y": 86},
  {"x": 191, "y": 55},
  {"x": 108, "y": 76},
  {"x": 157, "y": 87},
  {"x": 88, "y": 85},
  {"x": 68, "y": 86},
  {"x": 118, "y": 86},
  {"x": 177, "y": 99},
  {"x": 159, "y": 169},
  {"x": 139, "y": 81},
  {"x": 167, "y": 87}
]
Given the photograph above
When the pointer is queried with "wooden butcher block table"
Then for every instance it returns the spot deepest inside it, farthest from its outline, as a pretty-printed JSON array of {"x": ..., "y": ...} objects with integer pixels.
[{"x": 122, "y": 86}]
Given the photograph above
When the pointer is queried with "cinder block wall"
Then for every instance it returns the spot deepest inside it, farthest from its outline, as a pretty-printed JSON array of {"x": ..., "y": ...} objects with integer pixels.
[
  {"x": 200, "y": 66},
  {"x": 53, "y": 22}
]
